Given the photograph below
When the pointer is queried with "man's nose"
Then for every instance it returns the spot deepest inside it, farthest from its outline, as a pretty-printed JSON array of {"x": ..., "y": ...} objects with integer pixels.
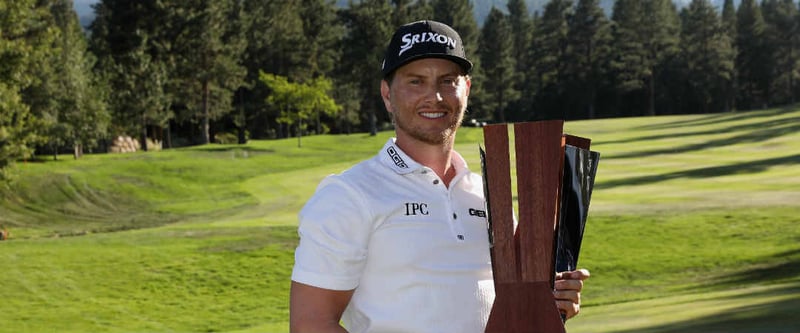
[{"x": 435, "y": 94}]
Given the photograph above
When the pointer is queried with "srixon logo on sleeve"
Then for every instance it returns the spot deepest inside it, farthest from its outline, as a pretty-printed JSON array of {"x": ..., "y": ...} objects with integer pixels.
[{"x": 409, "y": 40}]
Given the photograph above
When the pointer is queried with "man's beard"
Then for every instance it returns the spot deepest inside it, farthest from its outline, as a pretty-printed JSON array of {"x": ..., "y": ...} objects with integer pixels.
[{"x": 432, "y": 138}]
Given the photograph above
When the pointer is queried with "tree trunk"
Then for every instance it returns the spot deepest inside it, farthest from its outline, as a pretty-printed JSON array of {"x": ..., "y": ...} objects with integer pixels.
[
  {"x": 299, "y": 130},
  {"x": 500, "y": 108},
  {"x": 651, "y": 95},
  {"x": 168, "y": 136},
  {"x": 206, "y": 126},
  {"x": 242, "y": 135},
  {"x": 143, "y": 134},
  {"x": 319, "y": 125},
  {"x": 77, "y": 151},
  {"x": 242, "y": 128},
  {"x": 590, "y": 113},
  {"x": 373, "y": 121}
]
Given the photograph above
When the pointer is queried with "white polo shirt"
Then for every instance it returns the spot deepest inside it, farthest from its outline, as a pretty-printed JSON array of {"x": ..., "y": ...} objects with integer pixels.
[{"x": 416, "y": 252}]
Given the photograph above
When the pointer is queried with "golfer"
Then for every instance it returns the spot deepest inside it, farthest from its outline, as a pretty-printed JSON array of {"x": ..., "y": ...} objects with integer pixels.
[{"x": 398, "y": 243}]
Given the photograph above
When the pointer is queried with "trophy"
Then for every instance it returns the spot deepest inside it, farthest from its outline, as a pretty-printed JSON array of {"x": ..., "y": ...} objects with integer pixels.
[{"x": 555, "y": 175}]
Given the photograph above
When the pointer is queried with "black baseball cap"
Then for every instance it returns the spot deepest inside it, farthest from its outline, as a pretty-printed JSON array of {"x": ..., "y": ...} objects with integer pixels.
[{"x": 424, "y": 39}]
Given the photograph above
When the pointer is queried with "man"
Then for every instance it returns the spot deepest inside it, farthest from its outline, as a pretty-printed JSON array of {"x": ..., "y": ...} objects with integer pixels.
[{"x": 393, "y": 244}]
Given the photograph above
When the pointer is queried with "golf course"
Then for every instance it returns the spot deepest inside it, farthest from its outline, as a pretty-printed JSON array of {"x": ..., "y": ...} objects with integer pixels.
[{"x": 694, "y": 226}]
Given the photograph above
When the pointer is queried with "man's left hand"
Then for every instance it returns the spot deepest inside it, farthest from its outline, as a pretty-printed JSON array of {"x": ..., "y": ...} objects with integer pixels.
[{"x": 568, "y": 287}]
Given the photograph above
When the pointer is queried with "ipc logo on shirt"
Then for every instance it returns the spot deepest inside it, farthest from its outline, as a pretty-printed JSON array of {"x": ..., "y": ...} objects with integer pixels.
[{"x": 416, "y": 208}]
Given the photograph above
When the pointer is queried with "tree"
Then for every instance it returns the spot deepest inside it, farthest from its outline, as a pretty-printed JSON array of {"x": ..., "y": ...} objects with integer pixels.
[
  {"x": 522, "y": 28},
  {"x": 210, "y": 49},
  {"x": 496, "y": 53},
  {"x": 660, "y": 37},
  {"x": 137, "y": 59},
  {"x": 407, "y": 11},
  {"x": 548, "y": 49},
  {"x": 645, "y": 44},
  {"x": 707, "y": 54},
  {"x": 368, "y": 29},
  {"x": 273, "y": 31},
  {"x": 729, "y": 24},
  {"x": 629, "y": 59},
  {"x": 781, "y": 32},
  {"x": 321, "y": 33},
  {"x": 25, "y": 44},
  {"x": 752, "y": 61},
  {"x": 299, "y": 102},
  {"x": 588, "y": 43},
  {"x": 80, "y": 98}
]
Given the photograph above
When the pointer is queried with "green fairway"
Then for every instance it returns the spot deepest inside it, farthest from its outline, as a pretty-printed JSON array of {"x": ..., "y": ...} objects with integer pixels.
[{"x": 692, "y": 228}]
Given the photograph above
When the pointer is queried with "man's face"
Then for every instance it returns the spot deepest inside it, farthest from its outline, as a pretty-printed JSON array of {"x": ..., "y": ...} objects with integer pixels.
[{"x": 427, "y": 98}]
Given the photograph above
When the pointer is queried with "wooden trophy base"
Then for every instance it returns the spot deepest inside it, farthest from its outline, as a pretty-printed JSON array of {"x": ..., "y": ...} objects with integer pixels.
[{"x": 511, "y": 315}]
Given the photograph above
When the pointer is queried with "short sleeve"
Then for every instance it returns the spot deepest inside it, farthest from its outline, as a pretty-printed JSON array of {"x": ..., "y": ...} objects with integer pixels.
[{"x": 334, "y": 232}]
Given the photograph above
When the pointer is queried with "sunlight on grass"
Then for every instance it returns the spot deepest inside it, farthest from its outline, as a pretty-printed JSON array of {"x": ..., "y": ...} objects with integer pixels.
[{"x": 692, "y": 224}]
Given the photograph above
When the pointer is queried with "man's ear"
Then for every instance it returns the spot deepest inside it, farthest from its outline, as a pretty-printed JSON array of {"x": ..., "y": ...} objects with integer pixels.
[
  {"x": 384, "y": 89},
  {"x": 386, "y": 94}
]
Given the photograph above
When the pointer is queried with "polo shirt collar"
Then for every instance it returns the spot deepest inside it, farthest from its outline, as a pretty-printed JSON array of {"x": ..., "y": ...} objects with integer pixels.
[{"x": 396, "y": 159}]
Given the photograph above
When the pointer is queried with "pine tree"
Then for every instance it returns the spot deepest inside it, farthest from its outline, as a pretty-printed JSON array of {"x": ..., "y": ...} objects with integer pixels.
[
  {"x": 25, "y": 43},
  {"x": 645, "y": 45},
  {"x": 752, "y": 61},
  {"x": 138, "y": 63},
  {"x": 273, "y": 31},
  {"x": 322, "y": 33},
  {"x": 210, "y": 50},
  {"x": 588, "y": 42},
  {"x": 407, "y": 11},
  {"x": 729, "y": 24},
  {"x": 729, "y": 18},
  {"x": 459, "y": 15},
  {"x": 548, "y": 51},
  {"x": 368, "y": 29},
  {"x": 629, "y": 57},
  {"x": 781, "y": 18},
  {"x": 496, "y": 54},
  {"x": 522, "y": 30},
  {"x": 706, "y": 51},
  {"x": 661, "y": 36},
  {"x": 82, "y": 115}
]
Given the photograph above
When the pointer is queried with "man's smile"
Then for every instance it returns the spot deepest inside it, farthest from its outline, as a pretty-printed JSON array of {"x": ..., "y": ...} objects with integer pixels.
[{"x": 432, "y": 115}]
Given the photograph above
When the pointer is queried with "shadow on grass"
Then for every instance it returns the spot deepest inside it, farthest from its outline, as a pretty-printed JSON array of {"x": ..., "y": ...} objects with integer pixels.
[
  {"x": 751, "y": 126},
  {"x": 775, "y": 317},
  {"x": 241, "y": 240},
  {"x": 725, "y": 170},
  {"x": 779, "y": 316},
  {"x": 782, "y": 267},
  {"x": 233, "y": 148},
  {"x": 716, "y": 118},
  {"x": 753, "y": 133}
]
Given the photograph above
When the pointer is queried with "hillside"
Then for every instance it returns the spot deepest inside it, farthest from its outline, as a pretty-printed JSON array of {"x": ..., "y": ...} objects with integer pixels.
[{"x": 692, "y": 228}]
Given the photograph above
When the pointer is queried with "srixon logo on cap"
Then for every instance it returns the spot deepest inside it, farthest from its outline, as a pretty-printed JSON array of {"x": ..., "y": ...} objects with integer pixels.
[{"x": 426, "y": 37}]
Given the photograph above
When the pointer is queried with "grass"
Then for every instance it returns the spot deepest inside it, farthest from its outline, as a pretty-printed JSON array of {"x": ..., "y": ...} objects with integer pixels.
[{"x": 692, "y": 228}]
